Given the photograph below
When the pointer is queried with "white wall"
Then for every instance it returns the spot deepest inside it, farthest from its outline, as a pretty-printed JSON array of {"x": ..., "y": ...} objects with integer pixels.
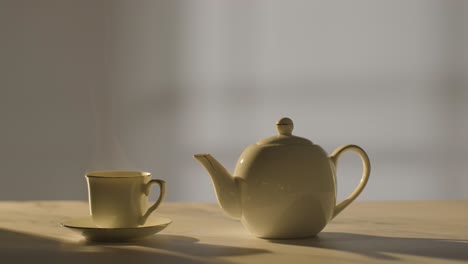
[
  {"x": 145, "y": 84},
  {"x": 51, "y": 68}
]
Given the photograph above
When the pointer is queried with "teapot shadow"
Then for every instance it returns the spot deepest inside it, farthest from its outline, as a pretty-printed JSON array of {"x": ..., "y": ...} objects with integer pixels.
[{"x": 379, "y": 247}]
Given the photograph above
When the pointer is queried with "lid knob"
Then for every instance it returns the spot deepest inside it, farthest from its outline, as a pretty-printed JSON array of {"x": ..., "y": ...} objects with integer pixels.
[{"x": 285, "y": 126}]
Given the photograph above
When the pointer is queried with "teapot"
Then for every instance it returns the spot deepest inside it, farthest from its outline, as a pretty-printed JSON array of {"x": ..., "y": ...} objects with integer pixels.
[{"x": 283, "y": 186}]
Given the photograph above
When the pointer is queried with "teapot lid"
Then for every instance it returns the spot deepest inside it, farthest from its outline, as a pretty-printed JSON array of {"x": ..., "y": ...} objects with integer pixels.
[{"x": 285, "y": 126}]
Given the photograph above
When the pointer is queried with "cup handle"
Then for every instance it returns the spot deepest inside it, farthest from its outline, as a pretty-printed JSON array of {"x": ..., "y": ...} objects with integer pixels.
[
  {"x": 365, "y": 174},
  {"x": 162, "y": 194}
]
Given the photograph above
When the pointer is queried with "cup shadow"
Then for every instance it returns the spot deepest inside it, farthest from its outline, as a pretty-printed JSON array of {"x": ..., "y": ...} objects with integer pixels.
[
  {"x": 379, "y": 247},
  {"x": 186, "y": 245},
  {"x": 16, "y": 247}
]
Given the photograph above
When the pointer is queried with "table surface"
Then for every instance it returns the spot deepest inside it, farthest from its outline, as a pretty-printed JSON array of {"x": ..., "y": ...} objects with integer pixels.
[{"x": 366, "y": 232}]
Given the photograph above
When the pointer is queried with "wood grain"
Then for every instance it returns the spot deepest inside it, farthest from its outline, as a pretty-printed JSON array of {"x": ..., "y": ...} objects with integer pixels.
[{"x": 366, "y": 232}]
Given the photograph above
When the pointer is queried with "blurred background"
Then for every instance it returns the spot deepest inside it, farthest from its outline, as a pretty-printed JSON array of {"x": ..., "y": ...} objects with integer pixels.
[{"x": 125, "y": 84}]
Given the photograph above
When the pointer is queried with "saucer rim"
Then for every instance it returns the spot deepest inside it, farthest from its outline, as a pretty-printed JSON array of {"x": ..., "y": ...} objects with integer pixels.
[{"x": 167, "y": 222}]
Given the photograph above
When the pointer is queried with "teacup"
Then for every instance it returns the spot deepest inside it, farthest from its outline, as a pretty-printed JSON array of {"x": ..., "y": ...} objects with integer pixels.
[{"x": 120, "y": 198}]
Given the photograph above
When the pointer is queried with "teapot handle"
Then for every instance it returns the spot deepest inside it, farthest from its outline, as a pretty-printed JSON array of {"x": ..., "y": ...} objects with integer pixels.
[{"x": 365, "y": 174}]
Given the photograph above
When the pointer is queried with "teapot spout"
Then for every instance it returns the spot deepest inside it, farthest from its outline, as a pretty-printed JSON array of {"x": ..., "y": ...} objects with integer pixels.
[{"x": 226, "y": 188}]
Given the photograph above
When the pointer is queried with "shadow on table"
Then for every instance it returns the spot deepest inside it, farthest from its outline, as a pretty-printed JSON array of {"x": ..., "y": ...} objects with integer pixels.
[
  {"x": 18, "y": 247},
  {"x": 186, "y": 245},
  {"x": 378, "y": 246}
]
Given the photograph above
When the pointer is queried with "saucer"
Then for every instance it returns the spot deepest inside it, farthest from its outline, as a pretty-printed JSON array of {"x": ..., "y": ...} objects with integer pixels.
[{"x": 86, "y": 227}]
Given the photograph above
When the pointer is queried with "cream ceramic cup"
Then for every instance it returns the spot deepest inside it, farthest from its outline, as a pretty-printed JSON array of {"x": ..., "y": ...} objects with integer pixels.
[{"x": 120, "y": 198}]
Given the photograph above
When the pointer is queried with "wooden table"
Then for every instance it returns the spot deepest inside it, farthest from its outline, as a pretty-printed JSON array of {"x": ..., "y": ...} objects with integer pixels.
[{"x": 366, "y": 232}]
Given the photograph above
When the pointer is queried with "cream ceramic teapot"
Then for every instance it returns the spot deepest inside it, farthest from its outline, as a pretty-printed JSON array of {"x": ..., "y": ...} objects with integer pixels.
[{"x": 283, "y": 186}]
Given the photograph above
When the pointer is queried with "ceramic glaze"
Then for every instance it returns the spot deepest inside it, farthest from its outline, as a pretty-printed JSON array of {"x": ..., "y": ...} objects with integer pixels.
[
  {"x": 283, "y": 186},
  {"x": 120, "y": 198},
  {"x": 88, "y": 228}
]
